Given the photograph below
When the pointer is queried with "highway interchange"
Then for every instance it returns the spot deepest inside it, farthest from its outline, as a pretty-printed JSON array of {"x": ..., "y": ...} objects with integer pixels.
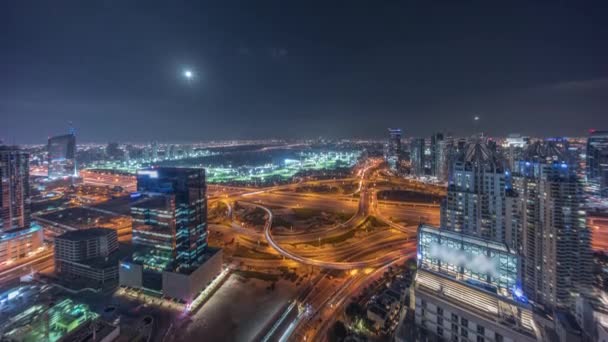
[
  {"x": 374, "y": 235},
  {"x": 363, "y": 258}
]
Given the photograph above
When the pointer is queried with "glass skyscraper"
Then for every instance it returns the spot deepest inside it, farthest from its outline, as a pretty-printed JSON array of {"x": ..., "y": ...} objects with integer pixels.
[
  {"x": 170, "y": 220},
  {"x": 62, "y": 156},
  {"x": 393, "y": 148},
  {"x": 14, "y": 188},
  {"x": 554, "y": 239},
  {"x": 597, "y": 162},
  {"x": 417, "y": 157}
]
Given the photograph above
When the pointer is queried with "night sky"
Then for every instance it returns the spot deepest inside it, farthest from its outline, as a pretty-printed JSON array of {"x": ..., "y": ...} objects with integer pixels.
[{"x": 300, "y": 68}]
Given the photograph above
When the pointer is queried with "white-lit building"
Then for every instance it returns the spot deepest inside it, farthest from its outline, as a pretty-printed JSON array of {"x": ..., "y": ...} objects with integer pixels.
[
  {"x": 476, "y": 202},
  {"x": 467, "y": 289}
]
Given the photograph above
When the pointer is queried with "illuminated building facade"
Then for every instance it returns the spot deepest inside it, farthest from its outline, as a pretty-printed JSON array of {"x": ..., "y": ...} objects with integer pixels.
[
  {"x": 554, "y": 238},
  {"x": 17, "y": 243},
  {"x": 393, "y": 149},
  {"x": 468, "y": 258},
  {"x": 437, "y": 146},
  {"x": 173, "y": 220},
  {"x": 62, "y": 156},
  {"x": 417, "y": 157},
  {"x": 169, "y": 217},
  {"x": 467, "y": 288},
  {"x": 597, "y": 162},
  {"x": 14, "y": 188},
  {"x": 442, "y": 152},
  {"x": 58, "y": 322},
  {"x": 476, "y": 201}
]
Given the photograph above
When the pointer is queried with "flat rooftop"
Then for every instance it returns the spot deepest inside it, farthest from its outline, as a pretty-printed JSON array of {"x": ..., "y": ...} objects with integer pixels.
[
  {"x": 154, "y": 202},
  {"x": 86, "y": 234},
  {"x": 465, "y": 237},
  {"x": 145, "y": 256},
  {"x": 80, "y": 217}
]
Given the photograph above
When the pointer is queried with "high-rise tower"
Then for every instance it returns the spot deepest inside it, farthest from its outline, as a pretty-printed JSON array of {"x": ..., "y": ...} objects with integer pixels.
[
  {"x": 554, "y": 239},
  {"x": 597, "y": 162},
  {"x": 476, "y": 200},
  {"x": 14, "y": 188}
]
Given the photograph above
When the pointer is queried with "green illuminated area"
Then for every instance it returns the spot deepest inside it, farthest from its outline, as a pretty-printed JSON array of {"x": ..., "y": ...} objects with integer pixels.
[
  {"x": 37, "y": 324},
  {"x": 281, "y": 170},
  {"x": 133, "y": 165},
  {"x": 306, "y": 161},
  {"x": 152, "y": 259}
]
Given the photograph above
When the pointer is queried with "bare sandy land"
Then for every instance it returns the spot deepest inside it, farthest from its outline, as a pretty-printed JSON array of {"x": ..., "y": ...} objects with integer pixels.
[{"x": 238, "y": 310}]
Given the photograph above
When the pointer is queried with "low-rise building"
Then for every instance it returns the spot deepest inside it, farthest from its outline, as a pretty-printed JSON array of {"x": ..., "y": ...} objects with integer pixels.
[
  {"x": 64, "y": 321},
  {"x": 181, "y": 285},
  {"x": 91, "y": 254},
  {"x": 17, "y": 243}
]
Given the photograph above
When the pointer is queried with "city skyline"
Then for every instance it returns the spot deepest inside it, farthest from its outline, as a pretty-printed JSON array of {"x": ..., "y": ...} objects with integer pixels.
[
  {"x": 331, "y": 70},
  {"x": 258, "y": 171}
]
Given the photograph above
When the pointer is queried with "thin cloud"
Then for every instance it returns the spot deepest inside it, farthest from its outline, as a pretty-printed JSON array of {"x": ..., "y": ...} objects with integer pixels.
[{"x": 577, "y": 86}]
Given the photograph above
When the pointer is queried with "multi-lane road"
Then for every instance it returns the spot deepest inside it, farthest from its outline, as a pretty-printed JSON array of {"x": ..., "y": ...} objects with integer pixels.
[{"x": 365, "y": 255}]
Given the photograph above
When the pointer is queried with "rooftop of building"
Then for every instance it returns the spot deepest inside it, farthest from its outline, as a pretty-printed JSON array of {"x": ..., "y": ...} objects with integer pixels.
[
  {"x": 15, "y": 232},
  {"x": 62, "y": 136},
  {"x": 86, "y": 234},
  {"x": 465, "y": 238},
  {"x": 103, "y": 262},
  {"x": 31, "y": 323},
  {"x": 152, "y": 202},
  {"x": 147, "y": 256},
  {"x": 544, "y": 151},
  {"x": 81, "y": 217}
]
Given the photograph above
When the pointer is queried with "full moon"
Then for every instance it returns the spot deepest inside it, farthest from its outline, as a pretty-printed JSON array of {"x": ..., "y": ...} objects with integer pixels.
[{"x": 188, "y": 74}]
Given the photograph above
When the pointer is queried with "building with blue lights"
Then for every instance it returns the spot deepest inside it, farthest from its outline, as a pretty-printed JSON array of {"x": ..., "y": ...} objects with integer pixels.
[
  {"x": 553, "y": 237},
  {"x": 18, "y": 235},
  {"x": 169, "y": 215},
  {"x": 394, "y": 152},
  {"x": 467, "y": 289},
  {"x": 14, "y": 188},
  {"x": 477, "y": 200},
  {"x": 597, "y": 163}
]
